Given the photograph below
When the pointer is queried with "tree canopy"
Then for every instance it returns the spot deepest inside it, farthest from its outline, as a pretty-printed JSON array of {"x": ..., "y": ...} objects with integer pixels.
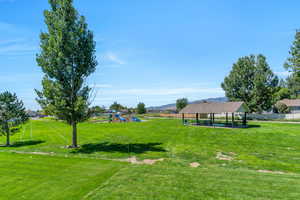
[
  {"x": 181, "y": 103},
  {"x": 283, "y": 93},
  {"x": 116, "y": 106},
  {"x": 67, "y": 58},
  {"x": 293, "y": 65},
  {"x": 12, "y": 115},
  {"x": 97, "y": 110},
  {"x": 293, "y": 62},
  {"x": 251, "y": 80},
  {"x": 141, "y": 108}
]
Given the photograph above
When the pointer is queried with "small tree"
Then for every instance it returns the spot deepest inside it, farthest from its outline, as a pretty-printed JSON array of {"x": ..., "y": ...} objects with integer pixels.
[
  {"x": 67, "y": 58},
  {"x": 12, "y": 115},
  {"x": 181, "y": 103},
  {"x": 116, "y": 106},
  {"x": 141, "y": 108},
  {"x": 97, "y": 110},
  {"x": 281, "y": 108}
]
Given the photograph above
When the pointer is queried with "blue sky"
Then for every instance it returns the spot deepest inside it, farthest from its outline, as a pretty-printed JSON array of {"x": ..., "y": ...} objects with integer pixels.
[{"x": 152, "y": 51}]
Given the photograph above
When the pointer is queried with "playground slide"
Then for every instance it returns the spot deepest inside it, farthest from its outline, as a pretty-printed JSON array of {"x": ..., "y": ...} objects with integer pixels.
[
  {"x": 122, "y": 119},
  {"x": 135, "y": 119}
]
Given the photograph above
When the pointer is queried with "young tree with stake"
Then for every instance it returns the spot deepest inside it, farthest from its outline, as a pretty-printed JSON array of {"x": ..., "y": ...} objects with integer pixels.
[{"x": 67, "y": 58}]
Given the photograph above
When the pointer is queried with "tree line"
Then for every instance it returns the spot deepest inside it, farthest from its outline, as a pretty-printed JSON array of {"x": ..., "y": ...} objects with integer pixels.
[{"x": 117, "y": 107}]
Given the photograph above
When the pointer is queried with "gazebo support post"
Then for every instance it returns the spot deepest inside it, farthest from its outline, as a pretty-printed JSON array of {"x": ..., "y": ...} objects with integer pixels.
[
  {"x": 232, "y": 118},
  {"x": 245, "y": 119},
  {"x": 197, "y": 118},
  {"x": 182, "y": 118},
  {"x": 213, "y": 118},
  {"x": 226, "y": 118}
]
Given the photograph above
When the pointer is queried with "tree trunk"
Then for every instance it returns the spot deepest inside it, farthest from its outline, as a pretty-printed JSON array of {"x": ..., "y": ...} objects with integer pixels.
[
  {"x": 7, "y": 139},
  {"x": 7, "y": 134},
  {"x": 74, "y": 136}
]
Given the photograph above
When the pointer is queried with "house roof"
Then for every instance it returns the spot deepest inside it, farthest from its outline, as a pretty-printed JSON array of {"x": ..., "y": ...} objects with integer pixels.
[
  {"x": 215, "y": 107},
  {"x": 290, "y": 102}
]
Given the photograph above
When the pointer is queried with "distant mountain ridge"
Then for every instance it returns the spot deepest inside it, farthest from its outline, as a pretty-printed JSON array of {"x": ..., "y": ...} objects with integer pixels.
[{"x": 172, "y": 106}]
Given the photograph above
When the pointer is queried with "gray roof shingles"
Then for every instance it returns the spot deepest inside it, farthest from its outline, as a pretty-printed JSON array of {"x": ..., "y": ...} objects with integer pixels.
[
  {"x": 214, "y": 107},
  {"x": 290, "y": 102}
]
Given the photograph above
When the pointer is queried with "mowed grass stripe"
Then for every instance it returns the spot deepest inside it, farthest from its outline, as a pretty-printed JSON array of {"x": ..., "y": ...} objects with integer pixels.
[
  {"x": 168, "y": 181},
  {"x": 49, "y": 177}
]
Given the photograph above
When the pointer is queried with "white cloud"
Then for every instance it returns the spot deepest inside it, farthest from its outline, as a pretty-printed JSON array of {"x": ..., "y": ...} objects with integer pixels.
[
  {"x": 8, "y": 28},
  {"x": 11, "y": 41},
  {"x": 17, "y": 49},
  {"x": 284, "y": 73},
  {"x": 11, "y": 78},
  {"x": 111, "y": 58},
  {"x": 168, "y": 91},
  {"x": 17, "y": 46},
  {"x": 101, "y": 86}
]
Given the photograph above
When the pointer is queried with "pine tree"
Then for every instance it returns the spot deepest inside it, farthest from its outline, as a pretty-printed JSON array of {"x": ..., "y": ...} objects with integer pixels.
[
  {"x": 67, "y": 58},
  {"x": 12, "y": 115},
  {"x": 293, "y": 62},
  {"x": 293, "y": 65}
]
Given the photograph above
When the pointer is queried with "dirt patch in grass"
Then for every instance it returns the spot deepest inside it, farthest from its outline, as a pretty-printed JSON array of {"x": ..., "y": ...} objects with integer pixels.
[
  {"x": 133, "y": 160},
  {"x": 194, "y": 164},
  {"x": 222, "y": 156},
  {"x": 270, "y": 172},
  {"x": 34, "y": 153}
]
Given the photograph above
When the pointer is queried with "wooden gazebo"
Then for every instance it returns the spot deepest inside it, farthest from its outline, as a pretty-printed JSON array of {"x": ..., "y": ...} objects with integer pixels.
[{"x": 210, "y": 109}]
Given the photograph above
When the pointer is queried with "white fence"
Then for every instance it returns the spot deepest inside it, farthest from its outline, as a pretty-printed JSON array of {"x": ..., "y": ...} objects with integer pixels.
[
  {"x": 266, "y": 116},
  {"x": 274, "y": 116}
]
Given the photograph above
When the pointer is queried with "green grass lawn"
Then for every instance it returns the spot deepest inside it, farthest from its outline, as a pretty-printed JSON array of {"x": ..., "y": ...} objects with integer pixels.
[{"x": 86, "y": 173}]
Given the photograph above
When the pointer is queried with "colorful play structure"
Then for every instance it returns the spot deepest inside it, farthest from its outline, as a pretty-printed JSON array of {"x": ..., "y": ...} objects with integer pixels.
[{"x": 118, "y": 118}]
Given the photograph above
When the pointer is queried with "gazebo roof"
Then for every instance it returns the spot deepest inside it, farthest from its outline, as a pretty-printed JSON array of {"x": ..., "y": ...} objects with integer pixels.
[
  {"x": 290, "y": 102},
  {"x": 214, "y": 107}
]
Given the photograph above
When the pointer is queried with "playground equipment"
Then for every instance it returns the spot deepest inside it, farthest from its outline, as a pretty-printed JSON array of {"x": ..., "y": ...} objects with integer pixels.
[
  {"x": 119, "y": 118},
  {"x": 135, "y": 119}
]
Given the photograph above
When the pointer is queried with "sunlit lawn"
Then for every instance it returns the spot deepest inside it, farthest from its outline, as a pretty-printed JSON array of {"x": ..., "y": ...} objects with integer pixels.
[{"x": 266, "y": 146}]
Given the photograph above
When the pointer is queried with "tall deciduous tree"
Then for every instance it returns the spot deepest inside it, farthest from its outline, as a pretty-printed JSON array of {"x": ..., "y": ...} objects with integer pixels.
[
  {"x": 251, "y": 80},
  {"x": 12, "y": 115},
  {"x": 181, "y": 103},
  {"x": 67, "y": 59}
]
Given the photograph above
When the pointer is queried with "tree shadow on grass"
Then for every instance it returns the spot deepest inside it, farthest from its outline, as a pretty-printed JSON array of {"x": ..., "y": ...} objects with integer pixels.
[
  {"x": 26, "y": 143},
  {"x": 253, "y": 126},
  {"x": 137, "y": 148}
]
